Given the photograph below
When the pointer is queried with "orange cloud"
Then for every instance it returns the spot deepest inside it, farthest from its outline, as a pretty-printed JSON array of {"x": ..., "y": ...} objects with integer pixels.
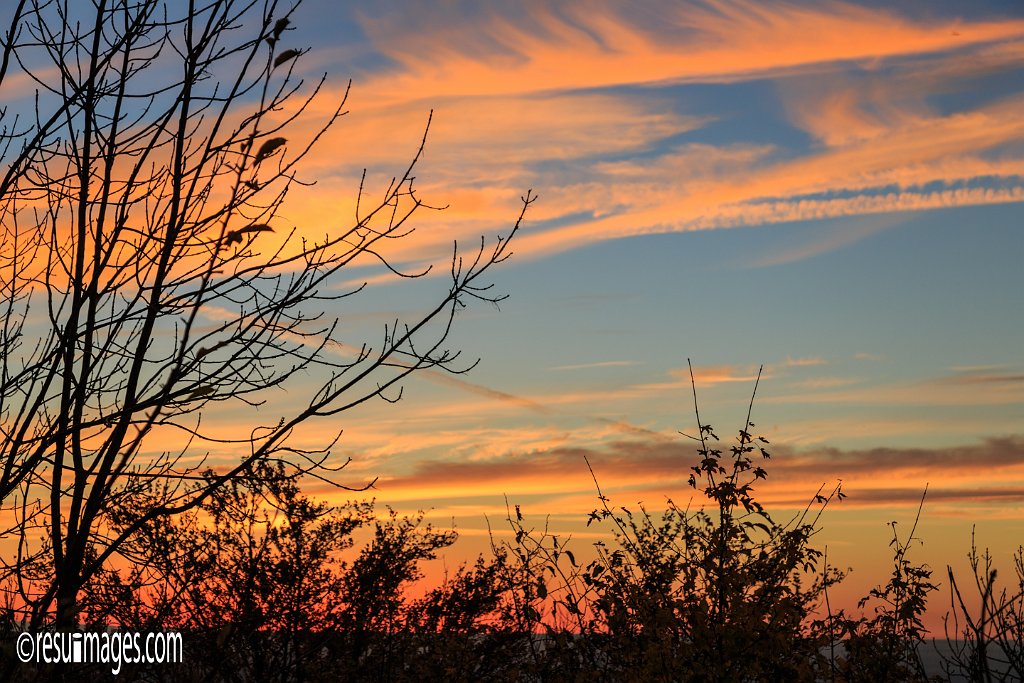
[
  {"x": 528, "y": 99},
  {"x": 975, "y": 390},
  {"x": 598, "y": 45},
  {"x": 803, "y": 362},
  {"x": 927, "y": 165},
  {"x": 650, "y": 469}
]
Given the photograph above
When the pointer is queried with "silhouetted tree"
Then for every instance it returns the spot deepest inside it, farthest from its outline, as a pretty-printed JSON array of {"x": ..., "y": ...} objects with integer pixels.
[{"x": 148, "y": 276}]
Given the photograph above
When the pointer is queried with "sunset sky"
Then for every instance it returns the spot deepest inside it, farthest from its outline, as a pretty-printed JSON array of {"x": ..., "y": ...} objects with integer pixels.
[{"x": 832, "y": 190}]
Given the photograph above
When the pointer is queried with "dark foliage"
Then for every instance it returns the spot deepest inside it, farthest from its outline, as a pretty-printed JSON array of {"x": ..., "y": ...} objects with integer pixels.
[{"x": 268, "y": 584}]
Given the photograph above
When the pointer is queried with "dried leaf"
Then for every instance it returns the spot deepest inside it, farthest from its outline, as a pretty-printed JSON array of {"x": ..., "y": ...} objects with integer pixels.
[
  {"x": 285, "y": 56},
  {"x": 201, "y": 392},
  {"x": 268, "y": 148},
  {"x": 236, "y": 235},
  {"x": 279, "y": 26}
]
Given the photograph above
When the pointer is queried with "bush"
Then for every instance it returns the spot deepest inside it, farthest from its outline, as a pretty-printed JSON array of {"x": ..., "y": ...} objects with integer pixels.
[{"x": 269, "y": 583}]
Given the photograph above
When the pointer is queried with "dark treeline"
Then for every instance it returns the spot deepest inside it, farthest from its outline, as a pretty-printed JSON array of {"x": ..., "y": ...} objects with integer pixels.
[{"x": 257, "y": 581}]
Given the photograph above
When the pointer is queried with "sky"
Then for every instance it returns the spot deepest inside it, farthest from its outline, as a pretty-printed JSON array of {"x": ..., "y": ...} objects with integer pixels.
[{"x": 831, "y": 190}]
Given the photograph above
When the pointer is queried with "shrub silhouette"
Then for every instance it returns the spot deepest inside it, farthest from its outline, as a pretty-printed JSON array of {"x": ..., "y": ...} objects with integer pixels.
[
  {"x": 719, "y": 595},
  {"x": 987, "y": 644},
  {"x": 887, "y": 646},
  {"x": 269, "y": 584},
  {"x": 257, "y": 580}
]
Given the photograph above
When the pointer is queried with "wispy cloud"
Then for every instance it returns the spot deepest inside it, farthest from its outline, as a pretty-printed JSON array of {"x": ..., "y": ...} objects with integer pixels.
[
  {"x": 536, "y": 98},
  {"x": 599, "y": 364},
  {"x": 659, "y": 468},
  {"x": 803, "y": 362},
  {"x": 984, "y": 374},
  {"x": 839, "y": 236},
  {"x": 703, "y": 376},
  {"x": 972, "y": 390},
  {"x": 500, "y": 51},
  {"x": 483, "y": 391},
  {"x": 889, "y": 496}
]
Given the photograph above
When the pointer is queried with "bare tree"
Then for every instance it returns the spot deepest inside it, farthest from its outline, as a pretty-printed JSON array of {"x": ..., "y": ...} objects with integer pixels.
[{"x": 146, "y": 276}]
